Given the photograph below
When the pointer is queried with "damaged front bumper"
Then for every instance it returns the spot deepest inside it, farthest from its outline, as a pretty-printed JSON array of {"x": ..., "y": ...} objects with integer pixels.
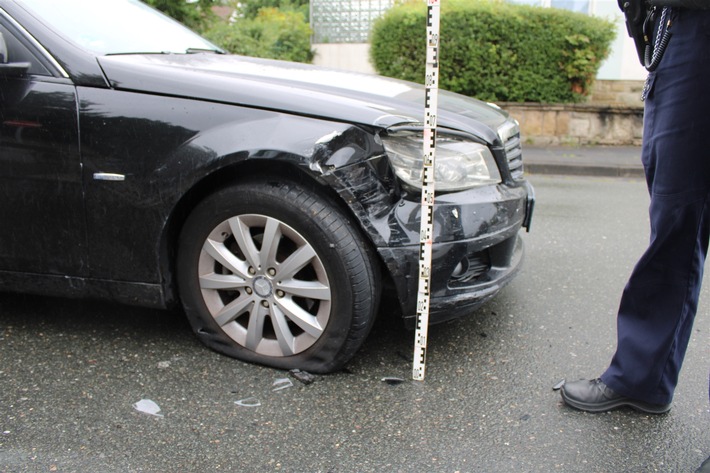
[
  {"x": 476, "y": 251},
  {"x": 476, "y": 246}
]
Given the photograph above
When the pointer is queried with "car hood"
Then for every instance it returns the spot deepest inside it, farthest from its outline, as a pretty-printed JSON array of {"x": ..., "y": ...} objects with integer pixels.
[{"x": 297, "y": 88}]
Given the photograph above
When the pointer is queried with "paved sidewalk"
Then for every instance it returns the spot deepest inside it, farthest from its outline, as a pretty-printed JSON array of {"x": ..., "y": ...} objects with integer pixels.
[{"x": 618, "y": 161}]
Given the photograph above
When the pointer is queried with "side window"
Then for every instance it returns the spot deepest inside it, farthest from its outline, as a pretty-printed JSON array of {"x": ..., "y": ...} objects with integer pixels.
[{"x": 18, "y": 52}]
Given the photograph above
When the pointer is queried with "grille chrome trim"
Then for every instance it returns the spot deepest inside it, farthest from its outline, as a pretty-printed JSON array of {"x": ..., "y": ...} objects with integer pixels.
[{"x": 509, "y": 134}]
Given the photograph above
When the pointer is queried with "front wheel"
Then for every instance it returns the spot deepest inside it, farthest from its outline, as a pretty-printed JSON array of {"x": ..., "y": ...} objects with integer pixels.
[{"x": 272, "y": 273}]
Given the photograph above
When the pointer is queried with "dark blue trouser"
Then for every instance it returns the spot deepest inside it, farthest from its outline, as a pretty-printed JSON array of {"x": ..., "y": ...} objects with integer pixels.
[{"x": 659, "y": 302}]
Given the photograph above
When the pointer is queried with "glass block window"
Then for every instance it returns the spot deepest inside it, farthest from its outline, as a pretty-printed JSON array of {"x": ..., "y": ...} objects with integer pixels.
[{"x": 345, "y": 21}]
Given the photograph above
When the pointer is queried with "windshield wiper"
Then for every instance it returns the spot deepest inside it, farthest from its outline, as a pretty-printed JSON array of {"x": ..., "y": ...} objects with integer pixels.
[
  {"x": 187, "y": 51},
  {"x": 200, "y": 50}
]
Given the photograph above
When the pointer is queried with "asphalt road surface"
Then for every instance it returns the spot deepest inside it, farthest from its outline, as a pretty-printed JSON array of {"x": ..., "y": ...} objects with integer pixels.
[{"x": 72, "y": 372}]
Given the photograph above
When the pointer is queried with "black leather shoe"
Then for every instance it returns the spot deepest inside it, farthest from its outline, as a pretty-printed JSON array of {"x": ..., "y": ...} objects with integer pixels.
[
  {"x": 595, "y": 396},
  {"x": 705, "y": 467}
]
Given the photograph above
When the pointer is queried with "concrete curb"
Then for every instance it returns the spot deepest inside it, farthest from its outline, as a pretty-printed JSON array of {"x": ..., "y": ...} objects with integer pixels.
[
  {"x": 582, "y": 170},
  {"x": 605, "y": 161}
]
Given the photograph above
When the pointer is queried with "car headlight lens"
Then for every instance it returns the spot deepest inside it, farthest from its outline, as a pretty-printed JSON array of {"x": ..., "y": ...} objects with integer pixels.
[{"x": 460, "y": 164}]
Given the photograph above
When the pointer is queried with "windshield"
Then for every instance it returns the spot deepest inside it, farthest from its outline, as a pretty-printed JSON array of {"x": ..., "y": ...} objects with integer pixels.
[{"x": 117, "y": 27}]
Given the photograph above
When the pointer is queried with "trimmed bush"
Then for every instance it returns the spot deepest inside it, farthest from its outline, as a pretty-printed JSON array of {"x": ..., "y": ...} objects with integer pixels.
[
  {"x": 273, "y": 34},
  {"x": 195, "y": 15},
  {"x": 496, "y": 51}
]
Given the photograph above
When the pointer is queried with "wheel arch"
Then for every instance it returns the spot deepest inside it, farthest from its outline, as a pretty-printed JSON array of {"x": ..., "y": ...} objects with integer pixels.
[{"x": 234, "y": 174}]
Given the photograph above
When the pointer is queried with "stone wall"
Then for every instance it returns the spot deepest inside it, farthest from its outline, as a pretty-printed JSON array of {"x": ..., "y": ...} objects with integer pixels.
[
  {"x": 617, "y": 92},
  {"x": 577, "y": 124},
  {"x": 612, "y": 115}
]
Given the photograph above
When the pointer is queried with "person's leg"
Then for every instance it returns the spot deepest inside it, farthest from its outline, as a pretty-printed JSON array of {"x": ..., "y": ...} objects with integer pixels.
[
  {"x": 658, "y": 305},
  {"x": 659, "y": 302}
]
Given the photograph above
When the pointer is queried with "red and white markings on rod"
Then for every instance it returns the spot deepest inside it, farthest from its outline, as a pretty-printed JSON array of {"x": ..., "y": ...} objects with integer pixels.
[{"x": 426, "y": 231}]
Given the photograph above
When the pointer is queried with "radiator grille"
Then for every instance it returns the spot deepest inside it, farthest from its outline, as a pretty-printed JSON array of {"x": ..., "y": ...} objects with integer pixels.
[{"x": 509, "y": 134}]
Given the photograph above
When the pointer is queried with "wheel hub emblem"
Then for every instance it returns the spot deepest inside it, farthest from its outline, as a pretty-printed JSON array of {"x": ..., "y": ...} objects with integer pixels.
[{"x": 262, "y": 286}]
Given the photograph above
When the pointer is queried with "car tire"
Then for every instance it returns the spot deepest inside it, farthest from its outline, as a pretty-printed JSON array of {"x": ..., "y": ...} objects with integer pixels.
[{"x": 305, "y": 299}]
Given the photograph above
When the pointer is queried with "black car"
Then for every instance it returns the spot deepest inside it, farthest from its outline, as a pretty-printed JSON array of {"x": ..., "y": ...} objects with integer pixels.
[{"x": 277, "y": 203}]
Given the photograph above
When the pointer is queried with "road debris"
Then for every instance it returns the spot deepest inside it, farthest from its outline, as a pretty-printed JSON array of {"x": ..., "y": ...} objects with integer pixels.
[
  {"x": 281, "y": 384},
  {"x": 146, "y": 406},
  {"x": 248, "y": 402},
  {"x": 392, "y": 380},
  {"x": 303, "y": 376}
]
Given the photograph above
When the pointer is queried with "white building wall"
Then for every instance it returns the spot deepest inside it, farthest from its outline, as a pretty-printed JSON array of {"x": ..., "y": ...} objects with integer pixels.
[
  {"x": 623, "y": 62},
  {"x": 347, "y": 56}
]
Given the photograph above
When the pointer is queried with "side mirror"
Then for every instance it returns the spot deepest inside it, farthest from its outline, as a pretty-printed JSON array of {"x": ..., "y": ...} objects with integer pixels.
[{"x": 10, "y": 69}]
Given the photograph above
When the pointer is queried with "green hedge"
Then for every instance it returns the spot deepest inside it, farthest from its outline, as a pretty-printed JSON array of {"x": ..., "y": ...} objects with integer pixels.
[
  {"x": 273, "y": 33},
  {"x": 496, "y": 51}
]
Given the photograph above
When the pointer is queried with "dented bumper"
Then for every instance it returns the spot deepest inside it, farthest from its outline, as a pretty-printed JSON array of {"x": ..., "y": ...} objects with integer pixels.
[{"x": 476, "y": 249}]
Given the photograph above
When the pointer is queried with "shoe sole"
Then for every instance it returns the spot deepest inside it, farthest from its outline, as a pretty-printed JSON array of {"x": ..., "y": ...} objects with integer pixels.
[{"x": 607, "y": 406}]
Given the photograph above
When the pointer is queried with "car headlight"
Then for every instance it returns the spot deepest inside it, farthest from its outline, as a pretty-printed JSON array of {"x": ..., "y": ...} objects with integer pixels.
[{"x": 460, "y": 164}]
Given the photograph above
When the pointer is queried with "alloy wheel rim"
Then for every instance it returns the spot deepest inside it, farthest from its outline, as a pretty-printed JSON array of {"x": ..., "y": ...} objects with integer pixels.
[{"x": 264, "y": 285}]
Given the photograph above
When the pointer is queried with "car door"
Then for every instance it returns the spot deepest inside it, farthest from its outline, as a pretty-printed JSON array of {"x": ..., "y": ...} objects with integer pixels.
[{"x": 42, "y": 228}]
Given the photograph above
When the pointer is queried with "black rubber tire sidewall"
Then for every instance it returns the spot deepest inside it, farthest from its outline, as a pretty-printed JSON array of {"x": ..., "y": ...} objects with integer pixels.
[{"x": 342, "y": 250}]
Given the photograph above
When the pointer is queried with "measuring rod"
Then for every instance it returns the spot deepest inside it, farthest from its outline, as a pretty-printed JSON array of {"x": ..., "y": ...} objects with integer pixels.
[{"x": 426, "y": 230}]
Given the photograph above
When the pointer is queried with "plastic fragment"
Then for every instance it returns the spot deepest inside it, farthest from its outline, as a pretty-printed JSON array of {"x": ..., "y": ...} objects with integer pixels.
[
  {"x": 146, "y": 406},
  {"x": 558, "y": 386},
  {"x": 303, "y": 376},
  {"x": 392, "y": 380},
  {"x": 248, "y": 402},
  {"x": 281, "y": 383}
]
